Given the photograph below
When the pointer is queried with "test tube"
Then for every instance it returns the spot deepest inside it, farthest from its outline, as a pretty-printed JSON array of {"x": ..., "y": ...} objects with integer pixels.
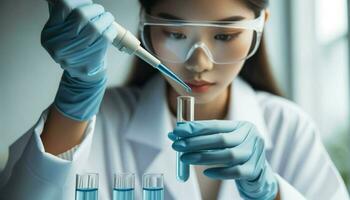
[
  {"x": 185, "y": 112},
  {"x": 124, "y": 185},
  {"x": 153, "y": 188},
  {"x": 86, "y": 187}
]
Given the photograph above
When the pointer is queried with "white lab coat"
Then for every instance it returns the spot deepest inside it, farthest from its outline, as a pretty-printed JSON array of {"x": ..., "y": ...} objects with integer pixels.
[{"x": 130, "y": 134}]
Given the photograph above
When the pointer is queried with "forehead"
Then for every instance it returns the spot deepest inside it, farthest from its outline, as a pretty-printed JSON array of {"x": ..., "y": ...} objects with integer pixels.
[{"x": 203, "y": 9}]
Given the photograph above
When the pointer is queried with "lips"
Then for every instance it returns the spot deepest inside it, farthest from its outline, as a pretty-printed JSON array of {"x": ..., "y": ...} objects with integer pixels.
[{"x": 200, "y": 86}]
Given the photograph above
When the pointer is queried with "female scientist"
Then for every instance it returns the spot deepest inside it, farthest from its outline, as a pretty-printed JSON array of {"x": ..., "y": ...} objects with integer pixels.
[{"x": 261, "y": 145}]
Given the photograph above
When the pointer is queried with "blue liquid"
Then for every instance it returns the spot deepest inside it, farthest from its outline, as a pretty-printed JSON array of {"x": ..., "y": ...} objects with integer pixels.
[
  {"x": 153, "y": 194},
  {"x": 86, "y": 194},
  {"x": 182, "y": 169},
  {"x": 123, "y": 194}
]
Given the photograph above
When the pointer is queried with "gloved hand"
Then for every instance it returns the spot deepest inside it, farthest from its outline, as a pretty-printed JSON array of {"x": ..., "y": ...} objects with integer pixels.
[
  {"x": 236, "y": 146},
  {"x": 77, "y": 38}
]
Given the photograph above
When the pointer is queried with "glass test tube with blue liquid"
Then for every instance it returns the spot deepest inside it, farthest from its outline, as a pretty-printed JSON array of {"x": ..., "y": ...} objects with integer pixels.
[
  {"x": 185, "y": 112},
  {"x": 86, "y": 187},
  {"x": 153, "y": 188},
  {"x": 124, "y": 185}
]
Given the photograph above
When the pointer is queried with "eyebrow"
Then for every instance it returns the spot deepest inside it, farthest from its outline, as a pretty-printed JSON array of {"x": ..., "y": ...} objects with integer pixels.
[{"x": 173, "y": 17}]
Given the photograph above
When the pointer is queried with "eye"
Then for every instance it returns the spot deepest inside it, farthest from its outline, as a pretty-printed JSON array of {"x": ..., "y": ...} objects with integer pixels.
[
  {"x": 226, "y": 37},
  {"x": 175, "y": 35}
]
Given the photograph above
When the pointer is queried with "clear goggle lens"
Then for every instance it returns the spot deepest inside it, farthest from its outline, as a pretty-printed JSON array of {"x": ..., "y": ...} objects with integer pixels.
[{"x": 222, "y": 45}]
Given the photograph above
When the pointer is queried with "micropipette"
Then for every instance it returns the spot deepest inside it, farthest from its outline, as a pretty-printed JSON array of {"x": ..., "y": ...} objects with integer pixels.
[{"x": 126, "y": 42}]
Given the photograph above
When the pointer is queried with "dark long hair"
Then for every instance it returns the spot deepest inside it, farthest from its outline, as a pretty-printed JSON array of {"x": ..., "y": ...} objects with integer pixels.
[{"x": 256, "y": 70}]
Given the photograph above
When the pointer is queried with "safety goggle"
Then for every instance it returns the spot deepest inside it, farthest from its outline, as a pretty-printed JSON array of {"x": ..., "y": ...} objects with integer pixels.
[{"x": 223, "y": 42}]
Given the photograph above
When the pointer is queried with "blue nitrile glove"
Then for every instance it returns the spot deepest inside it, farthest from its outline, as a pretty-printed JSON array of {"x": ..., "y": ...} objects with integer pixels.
[
  {"x": 236, "y": 146},
  {"x": 77, "y": 39}
]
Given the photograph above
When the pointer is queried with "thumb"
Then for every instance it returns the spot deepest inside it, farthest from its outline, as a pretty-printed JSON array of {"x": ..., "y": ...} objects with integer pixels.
[
  {"x": 60, "y": 9},
  {"x": 58, "y": 12}
]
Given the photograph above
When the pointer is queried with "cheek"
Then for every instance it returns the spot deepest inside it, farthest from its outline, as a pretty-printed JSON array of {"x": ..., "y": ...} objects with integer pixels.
[
  {"x": 178, "y": 69},
  {"x": 216, "y": 74},
  {"x": 226, "y": 74}
]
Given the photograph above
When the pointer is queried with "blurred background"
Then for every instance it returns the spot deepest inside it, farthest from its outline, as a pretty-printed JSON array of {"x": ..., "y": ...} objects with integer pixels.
[{"x": 308, "y": 43}]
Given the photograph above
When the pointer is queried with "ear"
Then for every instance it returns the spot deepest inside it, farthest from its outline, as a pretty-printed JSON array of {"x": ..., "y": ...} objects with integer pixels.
[{"x": 267, "y": 15}]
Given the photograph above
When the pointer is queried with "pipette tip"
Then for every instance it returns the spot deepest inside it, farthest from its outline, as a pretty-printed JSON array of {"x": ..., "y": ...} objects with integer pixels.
[{"x": 162, "y": 68}]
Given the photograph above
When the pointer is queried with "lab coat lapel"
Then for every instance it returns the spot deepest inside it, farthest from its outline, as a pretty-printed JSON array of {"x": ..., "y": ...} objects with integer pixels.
[
  {"x": 244, "y": 106},
  {"x": 152, "y": 150},
  {"x": 165, "y": 163},
  {"x": 148, "y": 127},
  {"x": 151, "y": 120}
]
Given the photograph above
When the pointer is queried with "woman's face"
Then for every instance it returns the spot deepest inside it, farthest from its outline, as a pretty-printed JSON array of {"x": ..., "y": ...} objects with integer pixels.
[{"x": 207, "y": 79}]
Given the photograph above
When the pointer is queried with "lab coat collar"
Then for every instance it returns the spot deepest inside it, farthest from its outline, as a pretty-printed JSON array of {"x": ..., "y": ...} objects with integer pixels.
[
  {"x": 151, "y": 120},
  {"x": 244, "y": 106}
]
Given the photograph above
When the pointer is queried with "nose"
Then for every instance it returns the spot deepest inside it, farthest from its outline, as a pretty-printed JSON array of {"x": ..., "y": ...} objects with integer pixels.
[{"x": 199, "y": 61}]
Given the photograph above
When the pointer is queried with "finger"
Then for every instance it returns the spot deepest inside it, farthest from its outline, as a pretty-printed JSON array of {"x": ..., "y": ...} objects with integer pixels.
[
  {"x": 88, "y": 12},
  {"x": 111, "y": 33},
  {"x": 223, "y": 172},
  {"x": 59, "y": 10},
  {"x": 66, "y": 49},
  {"x": 80, "y": 39},
  {"x": 215, "y": 157},
  {"x": 210, "y": 142},
  {"x": 97, "y": 49},
  {"x": 72, "y": 4},
  {"x": 74, "y": 23},
  {"x": 195, "y": 128},
  {"x": 249, "y": 170},
  {"x": 257, "y": 161},
  {"x": 80, "y": 17},
  {"x": 171, "y": 136},
  {"x": 97, "y": 27},
  {"x": 102, "y": 22}
]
